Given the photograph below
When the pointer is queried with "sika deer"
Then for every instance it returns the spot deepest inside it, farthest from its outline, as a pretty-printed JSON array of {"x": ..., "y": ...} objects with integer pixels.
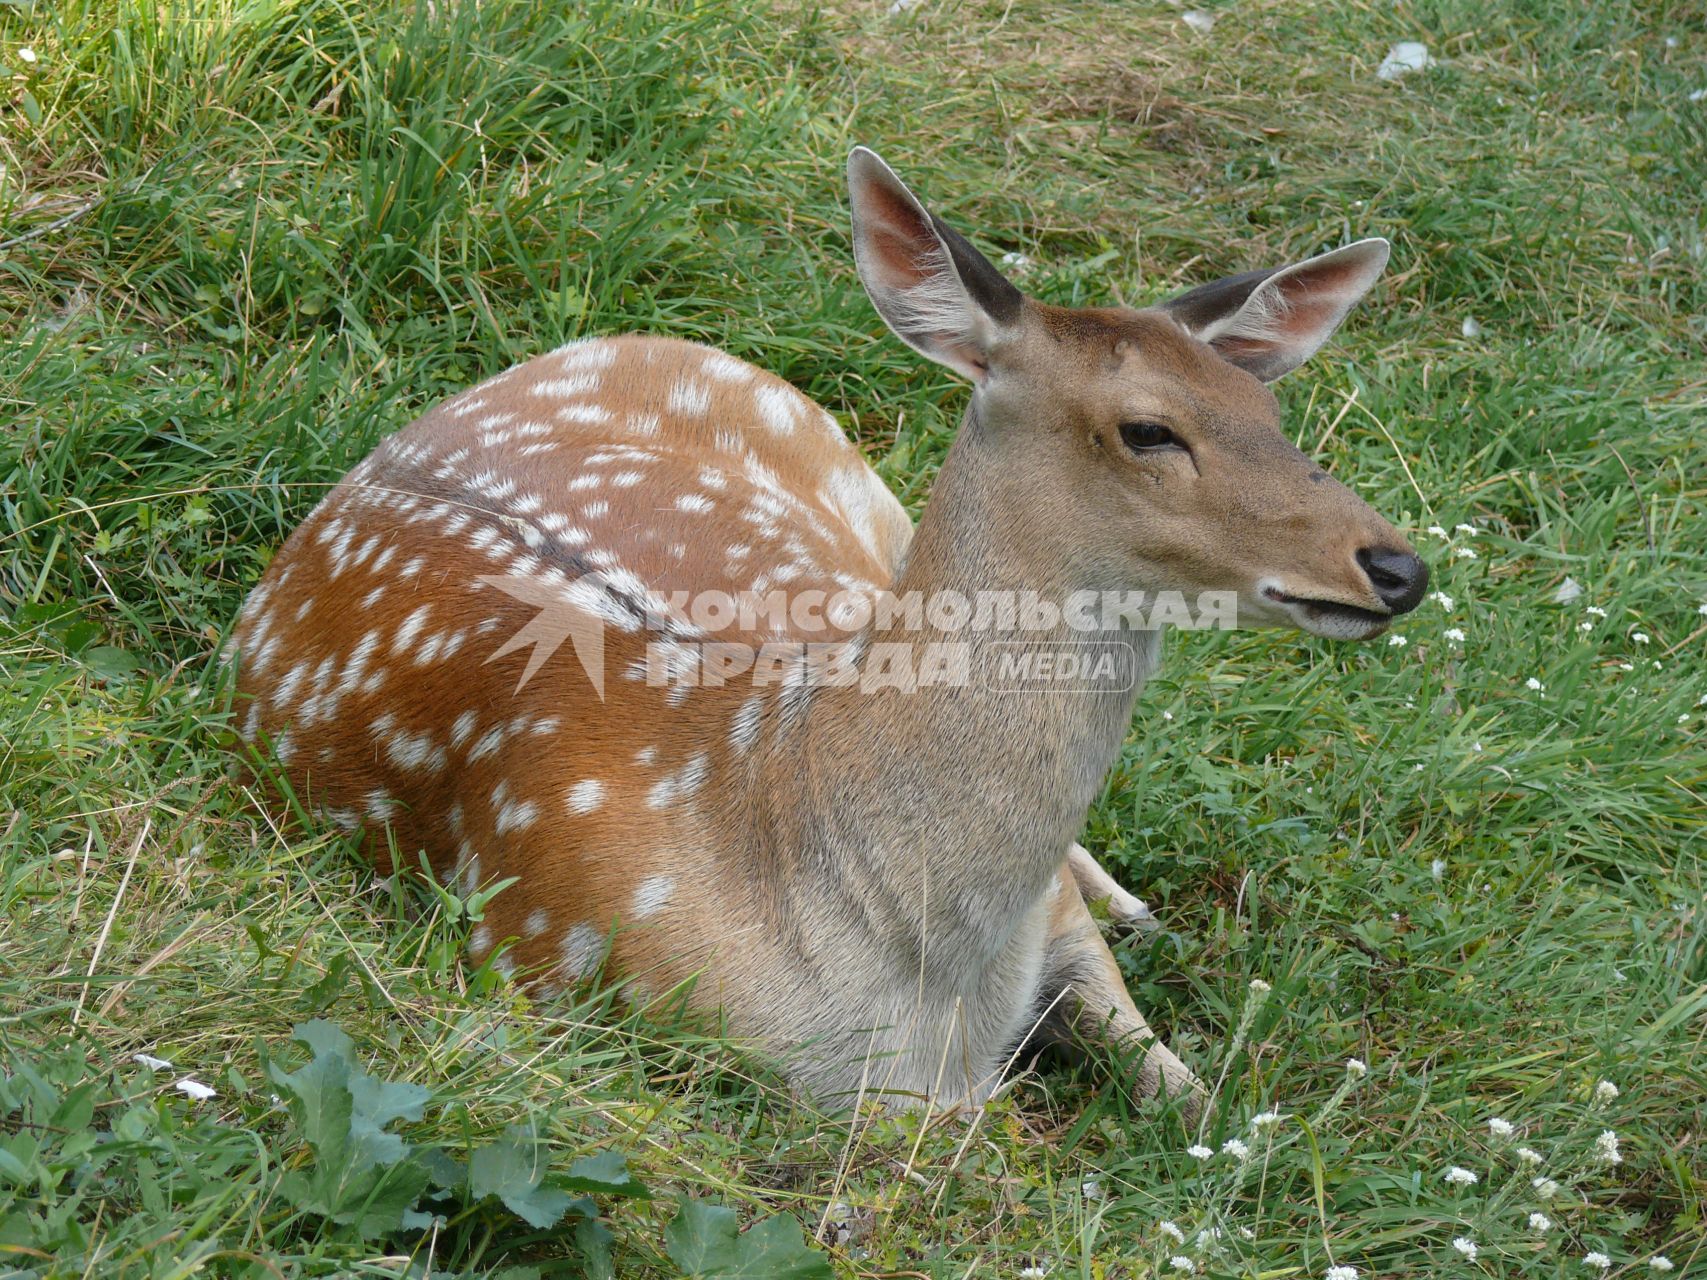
[{"x": 874, "y": 875}]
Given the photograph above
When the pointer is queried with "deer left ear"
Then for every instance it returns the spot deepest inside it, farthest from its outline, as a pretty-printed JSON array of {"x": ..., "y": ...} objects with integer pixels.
[{"x": 1270, "y": 322}]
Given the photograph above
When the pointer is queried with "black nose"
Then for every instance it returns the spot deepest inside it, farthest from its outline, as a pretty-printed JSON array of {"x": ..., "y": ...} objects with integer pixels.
[{"x": 1398, "y": 577}]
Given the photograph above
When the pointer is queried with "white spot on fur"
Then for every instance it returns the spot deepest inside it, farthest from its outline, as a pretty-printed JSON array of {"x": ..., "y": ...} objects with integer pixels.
[
  {"x": 745, "y": 730},
  {"x": 680, "y": 784},
  {"x": 538, "y": 921},
  {"x": 696, "y": 502},
  {"x": 652, "y": 895},
  {"x": 584, "y": 797},
  {"x": 689, "y": 396},
  {"x": 580, "y": 950},
  {"x": 778, "y": 407},
  {"x": 511, "y": 814},
  {"x": 725, "y": 368},
  {"x": 410, "y": 628}
]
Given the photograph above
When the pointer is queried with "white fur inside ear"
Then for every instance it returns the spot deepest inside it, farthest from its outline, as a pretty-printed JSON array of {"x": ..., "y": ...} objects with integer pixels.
[
  {"x": 1262, "y": 318},
  {"x": 934, "y": 314}
]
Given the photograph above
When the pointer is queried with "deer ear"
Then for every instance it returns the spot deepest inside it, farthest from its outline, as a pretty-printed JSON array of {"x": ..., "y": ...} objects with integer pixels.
[
  {"x": 939, "y": 294},
  {"x": 1270, "y": 322}
]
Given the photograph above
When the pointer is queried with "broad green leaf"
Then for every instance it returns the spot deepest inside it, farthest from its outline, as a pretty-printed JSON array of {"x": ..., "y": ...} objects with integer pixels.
[
  {"x": 701, "y": 1238},
  {"x": 514, "y": 1171},
  {"x": 605, "y": 1173},
  {"x": 704, "y": 1241}
]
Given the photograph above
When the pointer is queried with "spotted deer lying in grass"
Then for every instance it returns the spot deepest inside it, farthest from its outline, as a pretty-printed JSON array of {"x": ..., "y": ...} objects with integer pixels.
[{"x": 879, "y": 882}]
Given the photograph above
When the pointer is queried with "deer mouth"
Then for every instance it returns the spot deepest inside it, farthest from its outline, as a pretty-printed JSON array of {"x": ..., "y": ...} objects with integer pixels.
[{"x": 1330, "y": 618}]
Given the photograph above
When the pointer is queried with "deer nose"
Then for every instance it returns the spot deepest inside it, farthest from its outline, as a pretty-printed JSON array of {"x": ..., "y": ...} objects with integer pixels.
[{"x": 1399, "y": 577}]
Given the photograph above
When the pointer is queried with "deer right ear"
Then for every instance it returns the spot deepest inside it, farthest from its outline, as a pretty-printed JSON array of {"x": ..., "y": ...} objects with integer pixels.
[{"x": 939, "y": 294}]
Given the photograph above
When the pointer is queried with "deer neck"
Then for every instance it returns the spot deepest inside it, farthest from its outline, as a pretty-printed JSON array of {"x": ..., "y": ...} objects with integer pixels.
[{"x": 961, "y": 794}]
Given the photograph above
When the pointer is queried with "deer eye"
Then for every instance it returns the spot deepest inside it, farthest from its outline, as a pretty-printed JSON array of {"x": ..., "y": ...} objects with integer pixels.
[{"x": 1141, "y": 437}]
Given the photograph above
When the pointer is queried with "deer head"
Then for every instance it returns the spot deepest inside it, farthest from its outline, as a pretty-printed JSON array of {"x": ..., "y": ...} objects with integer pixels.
[{"x": 1142, "y": 448}]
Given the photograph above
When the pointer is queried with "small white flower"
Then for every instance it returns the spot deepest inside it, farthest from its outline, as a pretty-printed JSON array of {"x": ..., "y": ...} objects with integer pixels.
[
  {"x": 1033, "y": 1273},
  {"x": 1595, "y": 611},
  {"x": 1605, "y": 1092},
  {"x": 1470, "y": 529},
  {"x": 1463, "y": 553},
  {"x": 151, "y": 1062},
  {"x": 1207, "y": 1237},
  {"x": 1340, "y": 1273},
  {"x": 1659, "y": 1262},
  {"x": 1198, "y": 1151},
  {"x": 1533, "y": 683},
  {"x": 192, "y": 1088},
  {"x": 1015, "y": 262},
  {"x": 1465, "y": 1246},
  {"x": 1265, "y": 1120},
  {"x": 1459, "y": 1176},
  {"x": 1639, "y": 637},
  {"x": 1475, "y": 746},
  {"x": 1585, "y": 626},
  {"x": 1528, "y": 1155},
  {"x": 1470, "y": 329},
  {"x": 1167, "y": 715},
  {"x": 1233, "y": 1147},
  {"x": 1606, "y": 1148},
  {"x": 1625, "y": 666},
  {"x": 1356, "y": 1068},
  {"x": 1171, "y": 1231},
  {"x": 1437, "y": 870},
  {"x": 1259, "y": 987},
  {"x": 1179, "y": 1262},
  {"x": 1702, "y": 610},
  {"x": 1597, "y": 1259},
  {"x": 1454, "y": 634},
  {"x": 1540, "y": 1222},
  {"x": 1245, "y": 1233},
  {"x": 1500, "y": 1128},
  {"x": 1684, "y": 718},
  {"x": 1438, "y": 532},
  {"x": 26, "y": 54},
  {"x": 1441, "y": 599},
  {"x": 1397, "y": 642},
  {"x": 1546, "y": 1188}
]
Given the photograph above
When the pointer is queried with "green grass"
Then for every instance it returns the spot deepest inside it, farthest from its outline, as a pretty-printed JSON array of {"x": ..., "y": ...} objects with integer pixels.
[{"x": 244, "y": 240}]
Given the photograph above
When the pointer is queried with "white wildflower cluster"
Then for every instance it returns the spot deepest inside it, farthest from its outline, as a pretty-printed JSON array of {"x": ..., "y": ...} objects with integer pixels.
[
  {"x": 1266, "y": 1120},
  {"x": 1356, "y": 1068},
  {"x": 1454, "y": 634},
  {"x": 1540, "y": 1222},
  {"x": 1605, "y": 1092},
  {"x": 1171, "y": 1230},
  {"x": 1441, "y": 599},
  {"x": 1659, "y": 1262},
  {"x": 1465, "y": 1246},
  {"x": 1233, "y": 1147},
  {"x": 1528, "y": 1155},
  {"x": 1197, "y": 1151},
  {"x": 1179, "y": 1262},
  {"x": 1500, "y": 1128},
  {"x": 1340, "y": 1273},
  {"x": 1598, "y": 1260},
  {"x": 1606, "y": 1148},
  {"x": 1458, "y": 1176}
]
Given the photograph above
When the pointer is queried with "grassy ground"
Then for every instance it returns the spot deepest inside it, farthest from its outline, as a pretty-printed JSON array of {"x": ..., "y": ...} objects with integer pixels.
[{"x": 240, "y": 240}]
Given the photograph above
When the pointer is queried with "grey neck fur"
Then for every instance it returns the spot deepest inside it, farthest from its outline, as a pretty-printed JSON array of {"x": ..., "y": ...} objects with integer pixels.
[{"x": 946, "y": 811}]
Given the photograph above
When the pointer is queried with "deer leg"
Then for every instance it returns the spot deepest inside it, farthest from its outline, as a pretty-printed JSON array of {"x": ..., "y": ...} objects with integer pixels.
[
  {"x": 1088, "y": 1003},
  {"x": 1096, "y": 883}
]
